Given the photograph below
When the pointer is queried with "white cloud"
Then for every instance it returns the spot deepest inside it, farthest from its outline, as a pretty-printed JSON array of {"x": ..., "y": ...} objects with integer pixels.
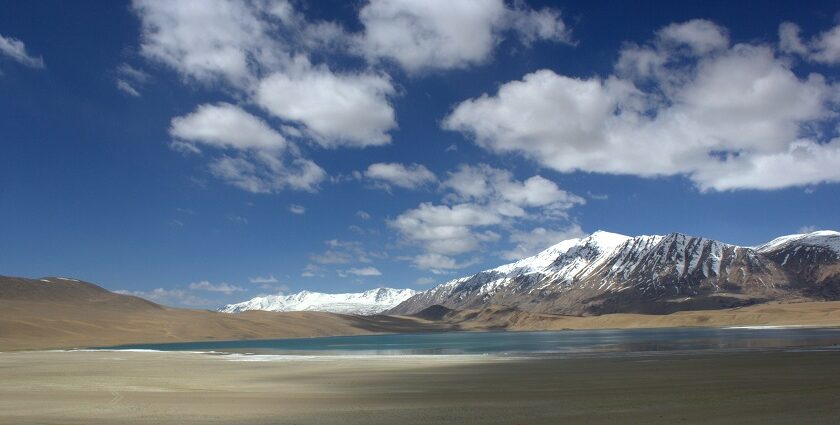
[
  {"x": 127, "y": 88},
  {"x": 808, "y": 229},
  {"x": 498, "y": 188},
  {"x": 170, "y": 297},
  {"x": 16, "y": 50},
  {"x": 598, "y": 196},
  {"x": 238, "y": 219},
  {"x": 269, "y": 283},
  {"x": 364, "y": 215},
  {"x": 263, "y": 160},
  {"x": 364, "y": 271},
  {"x": 425, "y": 280},
  {"x": 335, "y": 109},
  {"x": 130, "y": 78},
  {"x": 261, "y": 52},
  {"x": 790, "y": 40},
  {"x": 823, "y": 47},
  {"x": 533, "y": 25},
  {"x": 223, "y": 125},
  {"x": 699, "y": 35},
  {"x": 222, "y": 287},
  {"x": 270, "y": 279},
  {"x": 297, "y": 209},
  {"x": 264, "y": 173},
  {"x": 480, "y": 202},
  {"x": 439, "y": 264},
  {"x": 312, "y": 270},
  {"x": 827, "y": 46},
  {"x": 208, "y": 40},
  {"x": 127, "y": 71},
  {"x": 441, "y": 34},
  {"x": 444, "y": 229},
  {"x": 727, "y": 118},
  {"x": 538, "y": 239},
  {"x": 342, "y": 252},
  {"x": 394, "y": 174}
]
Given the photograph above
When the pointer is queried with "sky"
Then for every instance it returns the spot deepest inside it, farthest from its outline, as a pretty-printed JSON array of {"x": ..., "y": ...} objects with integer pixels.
[{"x": 204, "y": 152}]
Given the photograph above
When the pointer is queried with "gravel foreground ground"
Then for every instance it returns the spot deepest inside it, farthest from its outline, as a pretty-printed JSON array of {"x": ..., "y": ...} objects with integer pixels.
[{"x": 156, "y": 387}]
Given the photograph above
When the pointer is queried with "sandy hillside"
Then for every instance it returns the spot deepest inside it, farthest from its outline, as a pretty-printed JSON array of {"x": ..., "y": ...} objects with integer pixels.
[{"x": 54, "y": 313}]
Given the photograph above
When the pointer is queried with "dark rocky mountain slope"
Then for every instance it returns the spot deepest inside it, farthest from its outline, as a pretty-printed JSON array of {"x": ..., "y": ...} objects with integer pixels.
[{"x": 611, "y": 273}]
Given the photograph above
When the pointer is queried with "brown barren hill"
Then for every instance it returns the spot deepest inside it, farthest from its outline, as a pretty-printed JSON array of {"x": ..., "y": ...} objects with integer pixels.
[{"x": 67, "y": 313}]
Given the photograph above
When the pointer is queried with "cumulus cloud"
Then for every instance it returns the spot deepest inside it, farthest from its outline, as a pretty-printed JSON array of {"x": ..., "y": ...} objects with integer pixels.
[
  {"x": 334, "y": 109},
  {"x": 262, "y": 172},
  {"x": 409, "y": 176},
  {"x": 498, "y": 189},
  {"x": 537, "y": 239},
  {"x": 698, "y": 35},
  {"x": 208, "y": 40},
  {"x": 480, "y": 202},
  {"x": 267, "y": 53},
  {"x": 440, "y": 34},
  {"x": 823, "y": 47},
  {"x": 260, "y": 50},
  {"x": 223, "y": 125},
  {"x": 726, "y": 117},
  {"x": 260, "y": 159},
  {"x": 16, "y": 50},
  {"x": 445, "y": 229},
  {"x": 222, "y": 287}
]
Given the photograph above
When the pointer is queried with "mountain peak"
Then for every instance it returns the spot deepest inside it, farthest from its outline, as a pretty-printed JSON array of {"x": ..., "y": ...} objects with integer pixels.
[
  {"x": 823, "y": 238},
  {"x": 605, "y": 239}
]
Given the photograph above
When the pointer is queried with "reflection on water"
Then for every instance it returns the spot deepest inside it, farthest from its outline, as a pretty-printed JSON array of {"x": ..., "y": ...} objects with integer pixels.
[{"x": 555, "y": 342}]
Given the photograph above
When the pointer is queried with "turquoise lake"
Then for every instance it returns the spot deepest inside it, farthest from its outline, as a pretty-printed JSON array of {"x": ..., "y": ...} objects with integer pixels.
[{"x": 571, "y": 342}]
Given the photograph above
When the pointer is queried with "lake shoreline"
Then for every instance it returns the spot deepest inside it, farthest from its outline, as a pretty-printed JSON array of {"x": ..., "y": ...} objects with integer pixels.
[{"x": 559, "y": 343}]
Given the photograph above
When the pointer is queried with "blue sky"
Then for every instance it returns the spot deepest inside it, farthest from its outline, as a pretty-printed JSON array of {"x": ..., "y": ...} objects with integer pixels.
[{"x": 199, "y": 153}]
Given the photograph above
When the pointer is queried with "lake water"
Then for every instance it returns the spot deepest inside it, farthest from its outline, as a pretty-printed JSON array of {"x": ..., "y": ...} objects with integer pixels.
[{"x": 571, "y": 342}]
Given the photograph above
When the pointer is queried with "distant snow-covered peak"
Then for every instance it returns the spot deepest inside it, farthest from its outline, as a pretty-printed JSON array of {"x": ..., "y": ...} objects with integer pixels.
[
  {"x": 606, "y": 241},
  {"x": 373, "y": 301},
  {"x": 597, "y": 243},
  {"x": 822, "y": 238}
]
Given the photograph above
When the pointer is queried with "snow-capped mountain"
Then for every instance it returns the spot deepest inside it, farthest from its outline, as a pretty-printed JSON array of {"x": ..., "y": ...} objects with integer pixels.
[
  {"x": 608, "y": 272},
  {"x": 812, "y": 260},
  {"x": 369, "y": 302}
]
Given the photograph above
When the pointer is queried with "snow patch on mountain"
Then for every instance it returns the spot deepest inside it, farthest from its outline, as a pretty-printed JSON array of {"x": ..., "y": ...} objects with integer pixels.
[
  {"x": 369, "y": 302},
  {"x": 822, "y": 238}
]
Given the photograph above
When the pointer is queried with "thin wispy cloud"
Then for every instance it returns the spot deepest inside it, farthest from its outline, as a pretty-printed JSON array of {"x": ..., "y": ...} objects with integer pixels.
[{"x": 15, "y": 50}]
